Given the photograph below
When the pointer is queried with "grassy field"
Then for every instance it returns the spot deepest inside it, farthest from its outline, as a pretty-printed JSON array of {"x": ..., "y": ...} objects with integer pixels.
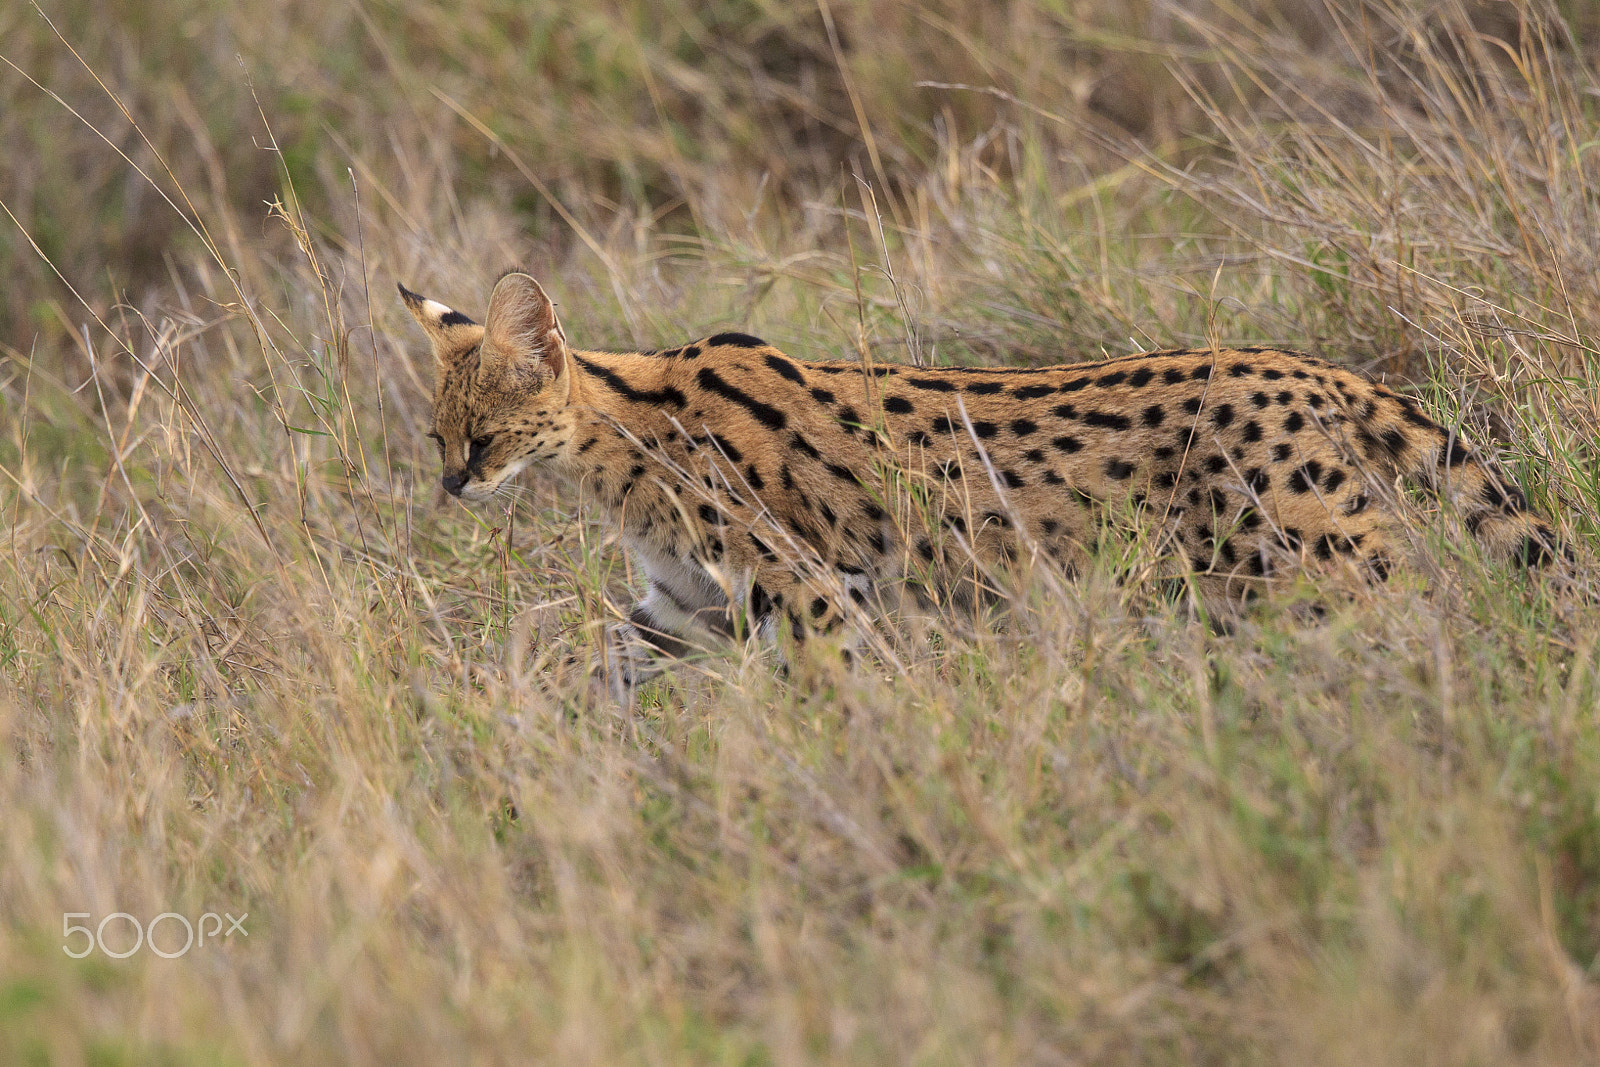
[{"x": 252, "y": 662}]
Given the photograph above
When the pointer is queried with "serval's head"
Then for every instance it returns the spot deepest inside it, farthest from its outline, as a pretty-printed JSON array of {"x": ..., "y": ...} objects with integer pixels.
[{"x": 501, "y": 391}]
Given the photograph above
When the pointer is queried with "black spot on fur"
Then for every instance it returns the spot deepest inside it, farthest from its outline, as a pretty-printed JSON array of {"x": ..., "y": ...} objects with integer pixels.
[
  {"x": 1223, "y": 415},
  {"x": 1034, "y": 455},
  {"x": 1023, "y": 427},
  {"x": 1064, "y": 411},
  {"x": 1141, "y": 378},
  {"x": 983, "y": 388},
  {"x": 1239, "y": 370},
  {"x": 1282, "y": 451},
  {"x": 1052, "y": 478},
  {"x": 1456, "y": 453},
  {"x": 1294, "y": 423},
  {"x": 1252, "y": 431},
  {"x": 1032, "y": 392},
  {"x": 1334, "y": 479},
  {"x": 1201, "y": 373},
  {"x": 919, "y": 437},
  {"x": 765, "y": 414},
  {"x": 1535, "y": 551},
  {"x": 1305, "y": 476},
  {"x": 897, "y": 405},
  {"x": 800, "y": 444},
  {"x": 1072, "y": 385},
  {"x": 936, "y": 385},
  {"x": 844, "y": 474},
  {"x": 1285, "y": 398},
  {"x": 736, "y": 340},
  {"x": 821, "y": 395},
  {"x": 1109, "y": 420},
  {"x": 1012, "y": 479},
  {"x": 1068, "y": 445},
  {"x": 785, "y": 369},
  {"x": 1154, "y": 414},
  {"x": 1192, "y": 405},
  {"x": 1118, "y": 469},
  {"x": 668, "y": 395},
  {"x": 726, "y": 447},
  {"x": 1172, "y": 376},
  {"x": 1114, "y": 378},
  {"x": 1259, "y": 399}
]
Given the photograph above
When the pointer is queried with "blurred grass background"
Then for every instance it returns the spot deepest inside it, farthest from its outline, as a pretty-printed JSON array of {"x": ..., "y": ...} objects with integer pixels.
[{"x": 250, "y": 660}]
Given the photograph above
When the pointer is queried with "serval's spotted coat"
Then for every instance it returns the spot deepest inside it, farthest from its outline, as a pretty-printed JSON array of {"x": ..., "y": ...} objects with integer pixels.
[{"x": 751, "y": 485}]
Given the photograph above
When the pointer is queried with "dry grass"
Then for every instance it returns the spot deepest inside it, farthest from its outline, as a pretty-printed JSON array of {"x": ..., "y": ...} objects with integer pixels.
[{"x": 250, "y": 662}]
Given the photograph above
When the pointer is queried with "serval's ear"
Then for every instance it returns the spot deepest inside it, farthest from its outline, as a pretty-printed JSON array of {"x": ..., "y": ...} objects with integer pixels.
[
  {"x": 450, "y": 331},
  {"x": 522, "y": 334}
]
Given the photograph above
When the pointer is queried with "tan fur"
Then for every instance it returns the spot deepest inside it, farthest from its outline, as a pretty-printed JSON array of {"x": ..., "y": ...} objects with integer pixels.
[{"x": 748, "y": 484}]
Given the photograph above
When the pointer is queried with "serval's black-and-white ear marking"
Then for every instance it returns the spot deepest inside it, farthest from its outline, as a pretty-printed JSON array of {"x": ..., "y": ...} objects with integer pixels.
[{"x": 450, "y": 331}]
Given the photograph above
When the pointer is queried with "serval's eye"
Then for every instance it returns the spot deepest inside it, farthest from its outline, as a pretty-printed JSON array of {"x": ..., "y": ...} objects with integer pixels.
[
  {"x": 481, "y": 443},
  {"x": 475, "y": 453},
  {"x": 438, "y": 441}
]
